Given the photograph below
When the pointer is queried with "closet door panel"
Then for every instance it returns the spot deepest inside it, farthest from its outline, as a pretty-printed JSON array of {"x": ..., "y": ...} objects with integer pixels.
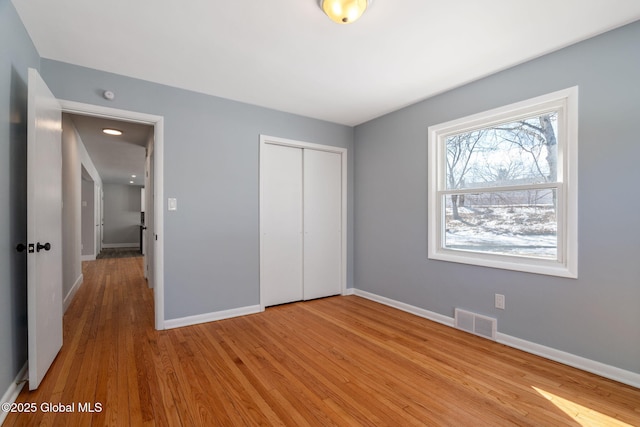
[
  {"x": 322, "y": 223},
  {"x": 282, "y": 238}
]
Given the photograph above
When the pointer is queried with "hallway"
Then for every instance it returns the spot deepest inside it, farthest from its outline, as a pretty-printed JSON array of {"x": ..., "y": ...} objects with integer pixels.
[{"x": 102, "y": 358}]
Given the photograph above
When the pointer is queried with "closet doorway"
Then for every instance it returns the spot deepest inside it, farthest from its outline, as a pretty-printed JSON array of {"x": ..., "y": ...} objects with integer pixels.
[{"x": 302, "y": 220}]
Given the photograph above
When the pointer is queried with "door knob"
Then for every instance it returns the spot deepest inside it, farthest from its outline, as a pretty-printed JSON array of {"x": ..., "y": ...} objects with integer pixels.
[
  {"x": 46, "y": 246},
  {"x": 21, "y": 247}
]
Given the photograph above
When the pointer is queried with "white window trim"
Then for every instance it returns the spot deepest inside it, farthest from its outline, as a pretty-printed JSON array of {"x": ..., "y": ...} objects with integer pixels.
[{"x": 566, "y": 102}]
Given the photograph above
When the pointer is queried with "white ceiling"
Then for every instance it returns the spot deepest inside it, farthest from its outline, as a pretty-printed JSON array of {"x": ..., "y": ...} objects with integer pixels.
[
  {"x": 287, "y": 55},
  {"x": 116, "y": 158}
]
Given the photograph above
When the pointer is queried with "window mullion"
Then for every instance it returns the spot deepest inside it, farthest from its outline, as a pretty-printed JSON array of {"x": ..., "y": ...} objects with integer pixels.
[{"x": 497, "y": 189}]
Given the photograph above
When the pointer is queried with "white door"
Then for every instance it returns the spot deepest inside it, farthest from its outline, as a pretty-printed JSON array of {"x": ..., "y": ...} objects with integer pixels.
[
  {"x": 301, "y": 221},
  {"x": 281, "y": 224},
  {"x": 322, "y": 224},
  {"x": 44, "y": 228}
]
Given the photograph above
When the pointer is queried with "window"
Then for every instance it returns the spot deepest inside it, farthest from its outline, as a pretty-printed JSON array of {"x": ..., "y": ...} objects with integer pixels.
[{"x": 503, "y": 187}]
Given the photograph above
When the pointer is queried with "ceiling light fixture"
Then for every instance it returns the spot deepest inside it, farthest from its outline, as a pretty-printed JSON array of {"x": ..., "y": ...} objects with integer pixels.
[
  {"x": 109, "y": 131},
  {"x": 344, "y": 11}
]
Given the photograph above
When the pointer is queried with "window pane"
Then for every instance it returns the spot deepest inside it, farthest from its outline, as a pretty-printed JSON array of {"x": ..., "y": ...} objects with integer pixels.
[
  {"x": 513, "y": 153},
  {"x": 508, "y": 222}
]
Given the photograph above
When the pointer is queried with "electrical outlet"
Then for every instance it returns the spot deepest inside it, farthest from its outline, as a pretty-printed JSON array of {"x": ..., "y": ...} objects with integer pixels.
[{"x": 500, "y": 301}]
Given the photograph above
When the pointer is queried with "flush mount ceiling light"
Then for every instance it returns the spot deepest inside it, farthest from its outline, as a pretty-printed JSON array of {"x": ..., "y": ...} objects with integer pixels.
[
  {"x": 109, "y": 131},
  {"x": 344, "y": 11}
]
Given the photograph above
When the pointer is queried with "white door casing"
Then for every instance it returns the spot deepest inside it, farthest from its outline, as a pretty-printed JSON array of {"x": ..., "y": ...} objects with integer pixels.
[
  {"x": 150, "y": 199},
  {"x": 44, "y": 228},
  {"x": 101, "y": 210},
  {"x": 97, "y": 192},
  {"x": 156, "y": 239}
]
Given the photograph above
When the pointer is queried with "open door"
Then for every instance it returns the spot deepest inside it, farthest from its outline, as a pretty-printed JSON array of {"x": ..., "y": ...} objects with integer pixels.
[{"x": 44, "y": 228}]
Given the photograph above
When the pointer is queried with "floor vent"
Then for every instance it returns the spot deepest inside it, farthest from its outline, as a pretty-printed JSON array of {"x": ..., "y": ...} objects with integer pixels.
[{"x": 476, "y": 324}]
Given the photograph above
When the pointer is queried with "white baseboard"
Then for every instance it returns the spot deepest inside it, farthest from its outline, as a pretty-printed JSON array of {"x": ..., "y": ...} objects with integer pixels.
[
  {"x": 598, "y": 368},
  {"x": 88, "y": 258},
  {"x": 211, "y": 317},
  {"x": 445, "y": 320},
  {"x": 72, "y": 293},
  {"x": 120, "y": 245},
  {"x": 14, "y": 389}
]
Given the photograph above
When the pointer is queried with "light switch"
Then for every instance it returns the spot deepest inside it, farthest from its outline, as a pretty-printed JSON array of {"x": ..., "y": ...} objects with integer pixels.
[{"x": 173, "y": 204}]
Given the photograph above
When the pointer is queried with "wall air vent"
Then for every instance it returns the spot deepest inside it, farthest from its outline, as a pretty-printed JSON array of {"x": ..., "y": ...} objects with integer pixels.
[{"x": 476, "y": 324}]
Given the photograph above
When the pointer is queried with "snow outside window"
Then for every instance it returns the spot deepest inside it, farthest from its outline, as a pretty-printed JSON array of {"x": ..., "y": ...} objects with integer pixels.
[{"x": 503, "y": 187}]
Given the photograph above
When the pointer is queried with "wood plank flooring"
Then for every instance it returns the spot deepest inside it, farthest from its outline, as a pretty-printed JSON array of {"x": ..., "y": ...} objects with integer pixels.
[{"x": 342, "y": 361}]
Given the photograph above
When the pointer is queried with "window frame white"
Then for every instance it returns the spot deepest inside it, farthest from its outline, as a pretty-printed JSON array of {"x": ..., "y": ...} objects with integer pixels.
[{"x": 565, "y": 102}]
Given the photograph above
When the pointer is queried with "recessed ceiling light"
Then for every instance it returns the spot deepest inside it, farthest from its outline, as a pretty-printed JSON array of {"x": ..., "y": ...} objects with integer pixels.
[
  {"x": 133, "y": 176},
  {"x": 109, "y": 131},
  {"x": 130, "y": 182}
]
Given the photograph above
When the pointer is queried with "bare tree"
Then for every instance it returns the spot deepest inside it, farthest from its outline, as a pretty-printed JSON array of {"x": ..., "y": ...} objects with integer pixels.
[
  {"x": 536, "y": 136},
  {"x": 531, "y": 137},
  {"x": 523, "y": 150},
  {"x": 460, "y": 149}
]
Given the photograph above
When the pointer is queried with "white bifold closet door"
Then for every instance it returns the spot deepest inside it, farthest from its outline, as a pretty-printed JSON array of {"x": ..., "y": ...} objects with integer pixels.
[
  {"x": 301, "y": 220},
  {"x": 282, "y": 244},
  {"x": 322, "y": 218}
]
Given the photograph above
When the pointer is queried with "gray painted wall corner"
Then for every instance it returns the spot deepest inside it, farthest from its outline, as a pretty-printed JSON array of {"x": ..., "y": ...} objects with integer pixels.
[
  {"x": 71, "y": 214},
  {"x": 595, "y": 316}
]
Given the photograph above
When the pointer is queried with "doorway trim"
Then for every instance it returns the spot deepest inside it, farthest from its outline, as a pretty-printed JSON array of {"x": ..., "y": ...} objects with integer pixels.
[
  {"x": 157, "y": 122},
  {"x": 272, "y": 140}
]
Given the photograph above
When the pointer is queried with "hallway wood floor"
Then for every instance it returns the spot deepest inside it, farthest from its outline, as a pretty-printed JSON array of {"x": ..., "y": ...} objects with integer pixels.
[{"x": 342, "y": 361}]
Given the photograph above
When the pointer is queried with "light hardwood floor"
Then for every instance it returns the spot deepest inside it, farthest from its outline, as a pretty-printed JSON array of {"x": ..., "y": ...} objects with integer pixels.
[{"x": 342, "y": 361}]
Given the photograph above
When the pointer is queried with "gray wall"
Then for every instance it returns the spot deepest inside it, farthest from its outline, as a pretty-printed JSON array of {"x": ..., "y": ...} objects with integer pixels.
[
  {"x": 122, "y": 207},
  {"x": 596, "y": 316},
  {"x": 87, "y": 228},
  {"x": 74, "y": 159},
  {"x": 17, "y": 53},
  {"x": 211, "y": 167},
  {"x": 71, "y": 214}
]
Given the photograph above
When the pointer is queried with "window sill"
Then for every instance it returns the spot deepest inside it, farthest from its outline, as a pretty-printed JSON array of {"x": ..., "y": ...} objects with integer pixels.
[{"x": 514, "y": 263}]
